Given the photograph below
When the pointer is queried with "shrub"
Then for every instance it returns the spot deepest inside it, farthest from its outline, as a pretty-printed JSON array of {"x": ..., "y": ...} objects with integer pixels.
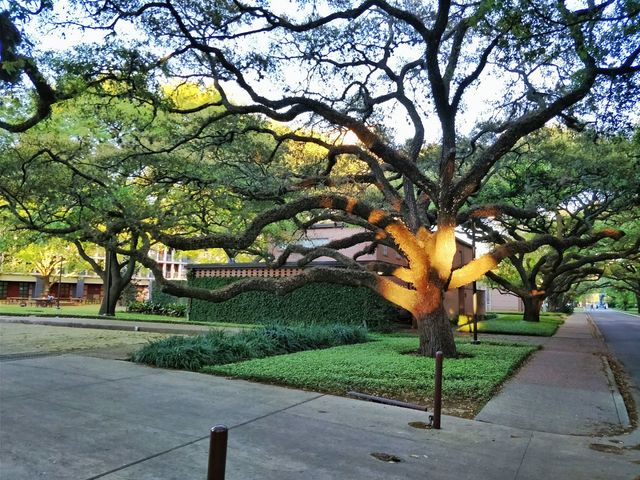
[
  {"x": 152, "y": 308},
  {"x": 219, "y": 348},
  {"x": 567, "y": 308}
]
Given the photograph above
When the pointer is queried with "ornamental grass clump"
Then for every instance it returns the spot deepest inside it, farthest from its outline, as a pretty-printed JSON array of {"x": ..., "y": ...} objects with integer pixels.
[{"x": 220, "y": 348}]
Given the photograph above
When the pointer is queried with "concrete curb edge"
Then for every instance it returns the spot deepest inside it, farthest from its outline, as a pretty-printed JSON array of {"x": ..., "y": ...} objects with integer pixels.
[{"x": 621, "y": 408}]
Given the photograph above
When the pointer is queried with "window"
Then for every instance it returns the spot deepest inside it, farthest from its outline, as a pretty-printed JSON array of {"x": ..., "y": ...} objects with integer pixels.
[
  {"x": 313, "y": 242},
  {"x": 24, "y": 289},
  {"x": 385, "y": 250},
  {"x": 4, "y": 286}
]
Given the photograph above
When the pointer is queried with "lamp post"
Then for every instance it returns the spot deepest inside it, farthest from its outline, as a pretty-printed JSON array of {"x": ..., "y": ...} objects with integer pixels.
[
  {"x": 59, "y": 282},
  {"x": 474, "y": 286},
  {"x": 107, "y": 286}
]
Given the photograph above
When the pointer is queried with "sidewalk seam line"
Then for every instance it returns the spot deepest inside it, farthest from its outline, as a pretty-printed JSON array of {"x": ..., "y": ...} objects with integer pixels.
[
  {"x": 136, "y": 462},
  {"x": 523, "y": 457},
  {"x": 155, "y": 455},
  {"x": 277, "y": 411}
]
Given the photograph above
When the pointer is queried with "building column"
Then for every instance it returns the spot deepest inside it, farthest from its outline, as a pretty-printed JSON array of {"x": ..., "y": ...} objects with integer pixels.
[
  {"x": 38, "y": 288},
  {"x": 79, "y": 288}
]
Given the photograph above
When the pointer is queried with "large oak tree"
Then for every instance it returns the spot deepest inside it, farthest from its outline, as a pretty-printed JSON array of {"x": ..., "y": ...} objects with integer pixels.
[{"x": 336, "y": 69}]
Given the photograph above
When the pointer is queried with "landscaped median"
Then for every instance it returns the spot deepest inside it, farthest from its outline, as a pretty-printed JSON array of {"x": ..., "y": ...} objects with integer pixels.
[
  {"x": 513, "y": 324},
  {"x": 385, "y": 365}
]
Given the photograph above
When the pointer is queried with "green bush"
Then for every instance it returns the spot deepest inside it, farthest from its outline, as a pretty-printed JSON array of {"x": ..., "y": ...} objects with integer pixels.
[
  {"x": 169, "y": 309},
  {"x": 313, "y": 303},
  {"x": 219, "y": 348},
  {"x": 513, "y": 324}
]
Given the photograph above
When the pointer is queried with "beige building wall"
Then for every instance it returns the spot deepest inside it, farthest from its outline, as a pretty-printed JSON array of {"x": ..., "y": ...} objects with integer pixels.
[{"x": 496, "y": 301}]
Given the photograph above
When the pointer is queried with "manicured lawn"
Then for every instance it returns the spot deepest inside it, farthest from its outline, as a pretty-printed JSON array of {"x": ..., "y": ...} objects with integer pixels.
[
  {"x": 512, "y": 324},
  {"x": 388, "y": 367},
  {"x": 91, "y": 311}
]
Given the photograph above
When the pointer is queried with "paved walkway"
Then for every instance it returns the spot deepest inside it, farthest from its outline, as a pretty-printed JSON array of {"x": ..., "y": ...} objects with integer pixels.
[
  {"x": 567, "y": 387},
  {"x": 75, "y": 417},
  {"x": 79, "y": 417}
]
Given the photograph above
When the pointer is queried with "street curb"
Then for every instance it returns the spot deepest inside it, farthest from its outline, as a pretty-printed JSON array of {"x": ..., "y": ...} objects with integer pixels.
[
  {"x": 618, "y": 400},
  {"x": 126, "y": 328},
  {"x": 595, "y": 330}
]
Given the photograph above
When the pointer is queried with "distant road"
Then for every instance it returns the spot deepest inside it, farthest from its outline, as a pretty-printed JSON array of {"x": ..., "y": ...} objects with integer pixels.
[{"x": 621, "y": 331}]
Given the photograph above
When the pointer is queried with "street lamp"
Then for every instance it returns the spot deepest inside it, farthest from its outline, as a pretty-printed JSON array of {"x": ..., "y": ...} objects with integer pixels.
[
  {"x": 59, "y": 282},
  {"x": 474, "y": 286}
]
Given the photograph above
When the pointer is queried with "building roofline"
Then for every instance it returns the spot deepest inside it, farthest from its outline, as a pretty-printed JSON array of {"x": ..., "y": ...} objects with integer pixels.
[{"x": 219, "y": 266}]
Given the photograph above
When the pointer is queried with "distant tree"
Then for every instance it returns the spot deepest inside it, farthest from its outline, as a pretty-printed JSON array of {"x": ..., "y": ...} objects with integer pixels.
[
  {"x": 53, "y": 180},
  {"x": 587, "y": 214},
  {"x": 44, "y": 256}
]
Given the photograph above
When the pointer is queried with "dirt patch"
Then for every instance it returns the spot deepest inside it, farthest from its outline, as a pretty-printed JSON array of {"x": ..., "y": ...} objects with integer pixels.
[
  {"x": 458, "y": 355},
  {"x": 420, "y": 425},
  {"x": 386, "y": 457},
  {"x": 20, "y": 339},
  {"x": 600, "y": 447}
]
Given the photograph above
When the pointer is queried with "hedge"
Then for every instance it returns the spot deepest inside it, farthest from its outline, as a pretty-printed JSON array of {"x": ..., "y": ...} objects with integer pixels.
[
  {"x": 313, "y": 303},
  {"x": 151, "y": 308},
  {"x": 159, "y": 297}
]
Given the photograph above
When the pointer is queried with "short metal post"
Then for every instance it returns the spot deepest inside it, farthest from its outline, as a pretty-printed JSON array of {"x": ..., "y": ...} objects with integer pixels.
[
  {"x": 217, "y": 452},
  {"x": 437, "y": 395}
]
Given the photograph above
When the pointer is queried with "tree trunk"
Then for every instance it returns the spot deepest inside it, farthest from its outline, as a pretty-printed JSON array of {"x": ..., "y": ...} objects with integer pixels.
[
  {"x": 435, "y": 333},
  {"x": 556, "y": 302},
  {"x": 110, "y": 299},
  {"x": 532, "y": 307},
  {"x": 46, "y": 286},
  {"x": 638, "y": 301},
  {"x": 114, "y": 283}
]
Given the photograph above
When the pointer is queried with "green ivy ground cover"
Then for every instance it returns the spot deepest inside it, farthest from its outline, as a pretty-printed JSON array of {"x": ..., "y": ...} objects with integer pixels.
[
  {"x": 512, "y": 324},
  {"x": 388, "y": 367}
]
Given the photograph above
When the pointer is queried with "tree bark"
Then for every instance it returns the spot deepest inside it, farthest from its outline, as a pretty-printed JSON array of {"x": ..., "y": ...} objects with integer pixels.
[
  {"x": 108, "y": 304},
  {"x": 435, "y": 333},
  {"x": 46, "y": 285},
  {"x": 556, "y": 302},
  {"x": 532, "y": 307},
  {"x": 114, "y": 277}
]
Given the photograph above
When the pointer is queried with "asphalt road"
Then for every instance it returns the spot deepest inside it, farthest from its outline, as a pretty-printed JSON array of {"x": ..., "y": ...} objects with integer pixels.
[{"x": 622, "y": 334}]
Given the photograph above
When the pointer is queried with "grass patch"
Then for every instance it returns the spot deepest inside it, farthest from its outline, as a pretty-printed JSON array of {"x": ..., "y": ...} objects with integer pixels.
[
  {"x": 512, "y": 324},
  {"x": 385, "y": 367},
  {"x": 91, "y": 311},
  {"x": 217, "y": 347}
]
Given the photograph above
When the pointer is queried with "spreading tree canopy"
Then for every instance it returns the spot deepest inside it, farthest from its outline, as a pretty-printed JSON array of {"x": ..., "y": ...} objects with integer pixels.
[
  {"x": 586, "y": 192},
  {"x": 371, "y": 83}
]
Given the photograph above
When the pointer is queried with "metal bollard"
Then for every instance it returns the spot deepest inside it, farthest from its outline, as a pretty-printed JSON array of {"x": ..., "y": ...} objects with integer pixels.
[
  {"x": 217, "y": 452},
  {"x": 437, "y": 394}
]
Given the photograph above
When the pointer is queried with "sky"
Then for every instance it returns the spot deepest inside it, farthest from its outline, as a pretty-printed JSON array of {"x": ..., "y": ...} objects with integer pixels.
[{"x": 477, "y": 102}]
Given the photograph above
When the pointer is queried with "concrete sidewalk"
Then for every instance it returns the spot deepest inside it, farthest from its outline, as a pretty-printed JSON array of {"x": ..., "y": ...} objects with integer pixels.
[
  {"x": 78, "y": 417},
  {"x": 75, "y": 417},
  {"x": 567, "y": 387}
]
